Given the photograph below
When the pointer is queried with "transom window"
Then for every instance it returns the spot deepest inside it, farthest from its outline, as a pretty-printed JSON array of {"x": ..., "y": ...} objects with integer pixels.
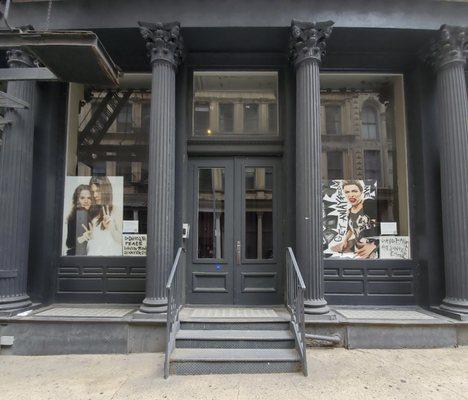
[{"x": 235, "y": 103}]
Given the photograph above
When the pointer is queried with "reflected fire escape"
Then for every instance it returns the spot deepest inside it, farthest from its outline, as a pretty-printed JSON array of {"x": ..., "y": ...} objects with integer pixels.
[{"x": 102, "y": 118}]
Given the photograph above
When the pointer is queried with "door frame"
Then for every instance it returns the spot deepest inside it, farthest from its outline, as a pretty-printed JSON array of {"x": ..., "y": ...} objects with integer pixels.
[{"x": 234, "y": 193}]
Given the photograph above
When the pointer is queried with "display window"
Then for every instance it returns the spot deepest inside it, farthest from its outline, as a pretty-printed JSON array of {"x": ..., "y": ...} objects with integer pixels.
[
  {"x": 235, "y": 103},
  {"x": 364, "y": 168},
  {"x": 106, "y": 181}
]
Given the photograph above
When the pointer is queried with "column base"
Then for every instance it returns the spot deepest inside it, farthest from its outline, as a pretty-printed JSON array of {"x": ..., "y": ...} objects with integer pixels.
[
  {"x": 453, "y": 308},
  {"x": 14, "y": 303},
  {"x": 317, "y": 306},
  {"x": 154, "y": 306}
]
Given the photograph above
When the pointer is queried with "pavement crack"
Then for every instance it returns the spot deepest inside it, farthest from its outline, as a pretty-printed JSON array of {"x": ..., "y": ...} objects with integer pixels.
[{"x": 120, "y": 387}]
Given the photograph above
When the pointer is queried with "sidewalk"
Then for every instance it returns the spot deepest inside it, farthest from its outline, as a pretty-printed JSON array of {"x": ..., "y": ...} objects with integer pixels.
[{"x": 333, "y": 374}]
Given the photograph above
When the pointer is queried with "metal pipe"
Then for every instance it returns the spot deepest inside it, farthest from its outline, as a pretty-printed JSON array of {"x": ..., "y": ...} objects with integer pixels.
[{"x": 333, "y": 339}]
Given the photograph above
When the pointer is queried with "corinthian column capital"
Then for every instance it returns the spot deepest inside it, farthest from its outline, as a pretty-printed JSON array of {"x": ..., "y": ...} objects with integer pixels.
[
  {"x": 17, "y": 58},
  {"x": 451, "y": 46},
  {"x": 308, "y": 40},
  {"x": 163, "y": 41}
]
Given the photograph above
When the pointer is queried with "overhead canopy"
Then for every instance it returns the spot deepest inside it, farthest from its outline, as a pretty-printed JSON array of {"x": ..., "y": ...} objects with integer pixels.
[{"x": 73, "y": 56}]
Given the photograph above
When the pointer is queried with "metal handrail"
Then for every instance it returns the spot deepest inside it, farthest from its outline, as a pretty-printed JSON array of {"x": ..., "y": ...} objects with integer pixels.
[
  {"x": 295, "y": 290},
  {"x": 174, "y": 291}
]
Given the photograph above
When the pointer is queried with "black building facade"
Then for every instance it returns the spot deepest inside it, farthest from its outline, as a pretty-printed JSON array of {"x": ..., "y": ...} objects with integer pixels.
[{"x": 234, "y": 133}]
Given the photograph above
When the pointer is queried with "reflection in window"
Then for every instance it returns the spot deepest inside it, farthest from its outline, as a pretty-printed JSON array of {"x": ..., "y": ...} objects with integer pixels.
[
  {"x": 145, "y": 116},
  {"x": 272, "y": 118},
  {"x": 211, "y": 183},
  {"x": 226, "y": 117},
  {"x": 369, "y": 123},
  {"x": 235, "y": 102},
  {"x": 369, "y": 149},
  {"x": 259, "y": 213},
  {"x": 333, "y": 120},
  {"x": 372, "y": 165},
  {"x": 109, "y": 146},
  {"x": 251, "y": 117},
  {"x": 125, "y": 120},
  {"x": 201, "y": 118},
  {"x": 335, "y": 165},
  {"x": 391, "y": 172}
]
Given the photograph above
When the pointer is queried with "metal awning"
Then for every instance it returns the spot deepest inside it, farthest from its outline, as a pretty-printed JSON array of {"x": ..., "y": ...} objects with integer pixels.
[{"x": 73, "y": 56}]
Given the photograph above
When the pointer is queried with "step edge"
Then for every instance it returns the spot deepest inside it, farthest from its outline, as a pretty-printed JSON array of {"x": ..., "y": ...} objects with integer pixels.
[
  {"x": 235, "y": 320},
  {"x": 226, "y": 335}
]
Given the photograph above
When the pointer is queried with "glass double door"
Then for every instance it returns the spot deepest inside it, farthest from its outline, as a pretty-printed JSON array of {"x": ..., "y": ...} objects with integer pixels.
[{"x": 234, "y": 252}]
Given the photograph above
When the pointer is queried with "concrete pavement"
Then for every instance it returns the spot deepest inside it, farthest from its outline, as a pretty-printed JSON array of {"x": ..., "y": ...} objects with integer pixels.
[{"x": 333, "y": 374}]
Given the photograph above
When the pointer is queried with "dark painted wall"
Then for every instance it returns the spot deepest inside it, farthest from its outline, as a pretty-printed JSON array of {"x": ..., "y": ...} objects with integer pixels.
[
  {"x": 49, "y": 136},
  {"x": 414, "y": 14},
  {"x": 427, "y": 238}
]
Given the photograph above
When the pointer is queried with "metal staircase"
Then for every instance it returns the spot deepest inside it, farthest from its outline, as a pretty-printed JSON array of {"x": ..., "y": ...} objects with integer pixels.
[
  {"x": 223, "y": 340},
  {"x": 102, "y": 117}
]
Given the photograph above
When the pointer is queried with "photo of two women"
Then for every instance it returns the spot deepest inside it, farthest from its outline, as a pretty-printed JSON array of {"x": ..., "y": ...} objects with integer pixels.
[{"x": 93, "y": 214}]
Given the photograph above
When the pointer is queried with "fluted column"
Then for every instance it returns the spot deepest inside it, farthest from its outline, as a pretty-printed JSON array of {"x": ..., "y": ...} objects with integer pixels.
[
  {"x": 307, "y": 48},
  {"x": 449, "y": 55},
  {"x": 164, "y": 44},
  {"x": 16, "y": 169}
]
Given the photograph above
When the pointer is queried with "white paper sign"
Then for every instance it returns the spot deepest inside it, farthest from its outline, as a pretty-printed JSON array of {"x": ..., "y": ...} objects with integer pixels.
[
  {"x": 395, "y": 247},
  {"x": 388, "y": 228},
  {"x": 134, "y": 245},
  {"x": 130, "y": 226}
]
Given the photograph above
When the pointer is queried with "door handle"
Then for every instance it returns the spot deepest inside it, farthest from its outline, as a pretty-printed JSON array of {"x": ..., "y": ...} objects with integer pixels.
[{"x": 238, "y": 252}]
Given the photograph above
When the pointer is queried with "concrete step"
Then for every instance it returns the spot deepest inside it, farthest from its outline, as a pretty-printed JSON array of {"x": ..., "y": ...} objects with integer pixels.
[
  {"x": 228, "y": 361},
  {"x": 230, "y": 339},
  {"x": 230, "y": 325}
]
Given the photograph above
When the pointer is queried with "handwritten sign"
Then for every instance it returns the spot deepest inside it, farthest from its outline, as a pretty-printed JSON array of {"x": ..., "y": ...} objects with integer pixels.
[
  {"x": 134, "y": 245},
  {"x": 395, "y": 247}
]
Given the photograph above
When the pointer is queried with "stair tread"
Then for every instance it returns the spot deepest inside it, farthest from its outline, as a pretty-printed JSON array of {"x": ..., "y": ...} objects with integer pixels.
[
  {"x": 235, "y": 355},
  {"x": 235, "y": 320},
  {"x": 226, "y": 334}
]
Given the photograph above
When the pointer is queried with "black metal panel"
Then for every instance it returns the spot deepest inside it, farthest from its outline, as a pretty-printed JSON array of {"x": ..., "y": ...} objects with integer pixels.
[
  {"x": 71, "y": 56},
  {"x": 370, "y": 282},
  {"x": 101, "y": 279}
]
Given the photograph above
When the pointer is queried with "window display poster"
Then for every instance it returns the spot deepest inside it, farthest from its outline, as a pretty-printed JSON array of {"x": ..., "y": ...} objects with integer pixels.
[
  {"x": 350, "y": 226},
  {"x": 134, "y": 245},
  {"x": 93, "y": 215}
]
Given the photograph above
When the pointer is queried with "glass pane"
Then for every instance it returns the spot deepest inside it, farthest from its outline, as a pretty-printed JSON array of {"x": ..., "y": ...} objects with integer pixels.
[
  {"x": 235, "y": 102},
  {"x": 333, "y": 120},
  {"x": 251, "y": 117},
  {"x": 272, "y": 118},
  {"x": 107, "y": 161},
  {"x": 258, "y": 213},
  {"x": 372, "y": 164},
  {"x": 335, "y": 164},
  {"x": 211, "y": 213},
  {"x": 369, "y": 123},
  {"x": 201, "y": 118},
  {"x": 226, "y": 117},
  {"x": 365, "y": 191}
]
